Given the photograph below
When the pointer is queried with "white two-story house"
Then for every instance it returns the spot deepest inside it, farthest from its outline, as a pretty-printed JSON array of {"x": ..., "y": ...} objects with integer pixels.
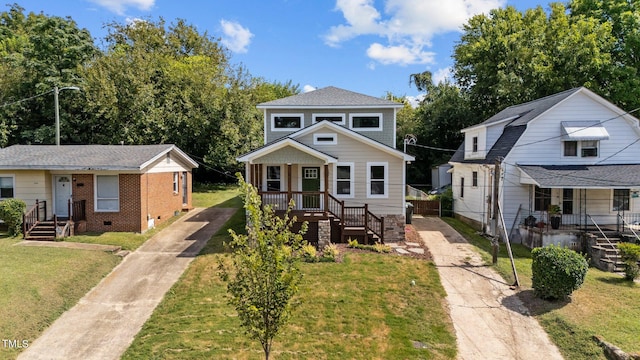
[
  {"x": 573, "y": 149},
  {"x": 333, "y": 152}
]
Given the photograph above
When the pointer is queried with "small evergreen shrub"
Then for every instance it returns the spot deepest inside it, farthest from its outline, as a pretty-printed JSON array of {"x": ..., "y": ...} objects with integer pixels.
[
  {"x": 11, "y": 211},
  {"x": 557, "y": 272},
  {"x": 377, "y": 247},
  {"x": 630, "y": 254}
]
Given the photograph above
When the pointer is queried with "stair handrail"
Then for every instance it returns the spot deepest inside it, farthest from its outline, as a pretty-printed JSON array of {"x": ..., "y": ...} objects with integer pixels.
[
  {"x": 629, "y": 226},
  {"x": 603, "y": 234},
  {"x": 31, "y": 218}
]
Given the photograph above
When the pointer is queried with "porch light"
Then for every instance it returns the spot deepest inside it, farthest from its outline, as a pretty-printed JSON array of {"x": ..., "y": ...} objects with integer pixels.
[{"x": 56, "y": 91}]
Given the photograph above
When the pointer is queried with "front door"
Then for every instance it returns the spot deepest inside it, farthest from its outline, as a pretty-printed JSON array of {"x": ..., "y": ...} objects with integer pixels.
[
  {"x": 311, "y": 182},
  {"x": 62, "y": 188}
]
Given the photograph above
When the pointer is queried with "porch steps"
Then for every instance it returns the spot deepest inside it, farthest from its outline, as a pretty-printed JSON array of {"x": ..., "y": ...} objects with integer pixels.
[
  {"x": 44, "y": 231},
  {"x": 610, "y": 255}
]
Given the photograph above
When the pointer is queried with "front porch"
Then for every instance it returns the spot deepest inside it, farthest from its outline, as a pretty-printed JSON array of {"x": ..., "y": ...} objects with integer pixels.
[{"x": 36, "y": 225}]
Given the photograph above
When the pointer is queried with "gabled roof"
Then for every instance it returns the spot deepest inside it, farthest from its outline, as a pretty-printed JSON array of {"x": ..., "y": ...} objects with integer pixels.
[
  {"x": 517, "y": 117},
  {"x": 87, "y": 157},
  {"x": 284, "y": 142},
  {"x": 291, "y": 139},
  {"x": 330, "y": 97}
]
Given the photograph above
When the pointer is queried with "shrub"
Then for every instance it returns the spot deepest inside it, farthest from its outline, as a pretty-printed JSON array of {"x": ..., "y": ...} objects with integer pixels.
[
  {"x": 377, "y": 247},
  {"x": 309, "y": 253},
  {"x": 330, "y": 253},
  {"x": 381, "y": 248},
  {"x": 557, "y": 272},
  {"x": 352, "y": 243},
  {"x": 630, "y": 254},
  {"x": 11, "y": 211},
  {"x": 446, "y": 202}
]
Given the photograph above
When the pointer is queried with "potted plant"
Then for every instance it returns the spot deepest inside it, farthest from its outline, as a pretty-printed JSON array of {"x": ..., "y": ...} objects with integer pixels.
[{"x": 555, "y": 216}]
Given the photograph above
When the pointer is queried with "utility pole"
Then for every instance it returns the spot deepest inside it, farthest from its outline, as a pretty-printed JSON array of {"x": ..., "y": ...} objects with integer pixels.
[
  {"x": 56, "y": 91},
  {"x": 495, "y": 245}
]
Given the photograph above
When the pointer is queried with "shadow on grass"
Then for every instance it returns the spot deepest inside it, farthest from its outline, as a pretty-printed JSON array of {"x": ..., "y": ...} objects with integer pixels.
[
  {"x": 532, "y": 303},
  {"x": 617, "y": 281},
  {"x": 216, "y": 245}
]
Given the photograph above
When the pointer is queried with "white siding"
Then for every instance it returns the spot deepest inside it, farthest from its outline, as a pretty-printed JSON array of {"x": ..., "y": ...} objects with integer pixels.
[
  {"x": 541, "y": 143},
  {"x": 167, "y": 164},
  {"x": 473, "y": 205}
]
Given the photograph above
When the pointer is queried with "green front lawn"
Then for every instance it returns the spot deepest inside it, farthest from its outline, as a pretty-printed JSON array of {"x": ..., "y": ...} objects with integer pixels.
[
  {"x": 362, "y": 308},
  {"x": 37, "y": 284},
  {"x": 605, "y": 305}
]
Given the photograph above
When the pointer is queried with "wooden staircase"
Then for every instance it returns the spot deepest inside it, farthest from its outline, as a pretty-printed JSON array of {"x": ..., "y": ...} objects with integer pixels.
[
  {"x": 36, "y": 227},
  {"x": 46, "y": 230}
]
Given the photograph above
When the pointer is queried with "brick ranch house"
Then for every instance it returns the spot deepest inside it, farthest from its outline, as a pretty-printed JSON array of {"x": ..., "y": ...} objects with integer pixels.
[{"x": 98, "y": 187}]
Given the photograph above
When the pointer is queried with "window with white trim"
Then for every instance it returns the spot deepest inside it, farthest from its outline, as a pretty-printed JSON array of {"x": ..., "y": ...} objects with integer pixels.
[
  {"x": 585, "y": 148},
  {"x": 274, "y": 180},
  {"x": 621, "y": 199},
  {"x": 175, "y": 183},
  {"x": 474, "y": 179},
  {"x": 377, "y": 180},
  {"x": 334, "y": 118},
  {"x": 107, "y": 193},
  {"x": 366, "y": 122},
  {"x": 475, "y": 144},
  {"x": 343, "y": 180},
  {"x": 287, "y": 122},
  {"x": 325, "y": 139},
  {"x": 7, "y": 187}
]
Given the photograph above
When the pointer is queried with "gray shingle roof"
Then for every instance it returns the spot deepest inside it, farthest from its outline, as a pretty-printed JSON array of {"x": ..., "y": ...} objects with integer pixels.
[
  {"x": 83, "y": 157},
  {"x": 530, "y": 110},
  {"x": 329, "y": 97},
  {"x": 518, "y": 116},
  {"x": 584, "y": 176}
]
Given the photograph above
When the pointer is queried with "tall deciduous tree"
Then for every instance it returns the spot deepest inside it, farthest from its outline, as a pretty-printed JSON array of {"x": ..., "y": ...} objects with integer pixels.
[
  {"x": 37, "y": 53},
  {"x": 264, "y": 274},
  {"x": 508, "y": 57}
]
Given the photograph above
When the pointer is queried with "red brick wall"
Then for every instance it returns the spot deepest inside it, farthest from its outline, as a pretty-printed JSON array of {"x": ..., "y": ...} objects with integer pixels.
[{"x": 140, "y": 196}]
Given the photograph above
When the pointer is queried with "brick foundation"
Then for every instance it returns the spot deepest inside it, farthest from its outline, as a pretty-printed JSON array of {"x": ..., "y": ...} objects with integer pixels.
[
  {"x": 394, "y": 228},
  {"x": 324, "y": 233}
]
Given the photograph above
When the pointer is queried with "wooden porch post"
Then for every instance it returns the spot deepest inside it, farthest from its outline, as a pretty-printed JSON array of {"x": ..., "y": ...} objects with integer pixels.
[
  {"x": 326, "y": 187},
  {"x": 366, "y": 224},
  {"x": 289, "y": 194}
]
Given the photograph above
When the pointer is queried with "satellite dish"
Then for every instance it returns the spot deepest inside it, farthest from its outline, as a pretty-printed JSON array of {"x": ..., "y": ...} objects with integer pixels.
[{"x": 410, "y": 139}]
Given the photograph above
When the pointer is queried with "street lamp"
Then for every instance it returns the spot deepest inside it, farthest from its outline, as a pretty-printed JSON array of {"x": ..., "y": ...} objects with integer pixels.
[{"x": 55, "y": 101}]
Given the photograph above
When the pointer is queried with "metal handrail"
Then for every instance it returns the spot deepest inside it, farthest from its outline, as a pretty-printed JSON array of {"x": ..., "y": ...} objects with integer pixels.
[
  {"x": 603, "y": 234},
  {"x": 629, "y": 226},
  {"x": 508, "y": 243}
]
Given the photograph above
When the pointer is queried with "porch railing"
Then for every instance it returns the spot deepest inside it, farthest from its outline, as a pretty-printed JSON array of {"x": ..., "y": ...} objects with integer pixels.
[
  {"x": 314, "y": 201},
  {"x": 78, "y": 210},
  {"x": 31, "y": 218},
  {"x": 631, "y": 227}
]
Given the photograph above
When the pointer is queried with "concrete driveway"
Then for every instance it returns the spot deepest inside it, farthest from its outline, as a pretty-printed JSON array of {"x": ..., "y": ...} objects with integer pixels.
[
  {"x": 489, "y": 319},
  {"x": 104, "y": 322}
]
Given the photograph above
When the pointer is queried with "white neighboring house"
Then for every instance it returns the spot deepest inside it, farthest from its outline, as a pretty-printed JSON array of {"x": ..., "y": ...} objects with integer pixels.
[
  {"x": 333, "y": 152},
  {"x": 572, "y": 149}
]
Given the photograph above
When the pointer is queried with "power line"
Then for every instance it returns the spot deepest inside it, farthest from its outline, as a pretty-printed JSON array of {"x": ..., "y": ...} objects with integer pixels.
[{"x": 25, "y": 99}]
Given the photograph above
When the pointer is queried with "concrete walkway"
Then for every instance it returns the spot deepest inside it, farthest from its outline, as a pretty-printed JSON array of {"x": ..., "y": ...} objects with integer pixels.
[
  {"x": 104, "y": 322},
  {"x": 489, "y": 319}
]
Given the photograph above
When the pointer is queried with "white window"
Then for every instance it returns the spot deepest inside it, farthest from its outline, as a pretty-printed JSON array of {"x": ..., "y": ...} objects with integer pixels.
[
  {"x": 287, "y": 122},
  {"x": 589, "y": 148},
  {"x": 475, "y": 144},
  {"x": 377, "y": 180},
  {"x": 334, "y": 118},
  {"x": 274, "y": 182},
  {"x": 107, "y": 193},
  {"x": 325, "y": 139},
  {"x": 343, "y": 180},
  {"x": 366, "y": 122},
  {"x": 6, "y": 187},
  {"x": 175, "y": 183}
]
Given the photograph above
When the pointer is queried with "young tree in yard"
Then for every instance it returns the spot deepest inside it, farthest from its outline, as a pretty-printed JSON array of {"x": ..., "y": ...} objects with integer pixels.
[{"x": 263, "y": 276}]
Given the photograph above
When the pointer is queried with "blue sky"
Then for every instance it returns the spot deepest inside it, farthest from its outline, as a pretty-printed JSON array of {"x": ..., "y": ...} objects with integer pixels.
[{"x": 368, "y": 46}]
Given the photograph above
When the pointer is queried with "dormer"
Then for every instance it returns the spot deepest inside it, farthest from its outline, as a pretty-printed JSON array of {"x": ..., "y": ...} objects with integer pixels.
[{"x": 372, "y": 117}]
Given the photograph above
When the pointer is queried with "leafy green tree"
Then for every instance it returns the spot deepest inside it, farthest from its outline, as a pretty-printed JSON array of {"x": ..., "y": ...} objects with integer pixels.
[
  {"x": 38, "y": 52},
  {"x": 508, "y": 57},
  {"x": 621, "y": 16},
  {"x": 264, "y": 275},
  {"x": 442, "y": 113}
]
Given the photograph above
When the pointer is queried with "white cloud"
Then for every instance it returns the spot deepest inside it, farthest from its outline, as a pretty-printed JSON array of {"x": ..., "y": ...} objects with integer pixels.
[
  {"x": 441, "y": 75},
  {"x": 236, "y": 37},
  {"x": 399, "y": 54},
  {"x": 407, "y": 25},
  {"x": 119, "y": 6},
  {"x": 415, "y": 101},
  {"x": 307, "y": 88}
]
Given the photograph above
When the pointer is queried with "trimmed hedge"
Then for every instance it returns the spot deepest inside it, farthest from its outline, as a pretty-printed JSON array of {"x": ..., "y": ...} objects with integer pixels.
[{"x": 557, "y": 272}]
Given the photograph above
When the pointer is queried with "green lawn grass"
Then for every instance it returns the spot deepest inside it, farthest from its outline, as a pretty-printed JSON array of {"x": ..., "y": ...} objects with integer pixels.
[
  {"x": 362, "y": 308},
  {"x": 37, "y": 284},
  {"x": 605, "y": 305}
]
